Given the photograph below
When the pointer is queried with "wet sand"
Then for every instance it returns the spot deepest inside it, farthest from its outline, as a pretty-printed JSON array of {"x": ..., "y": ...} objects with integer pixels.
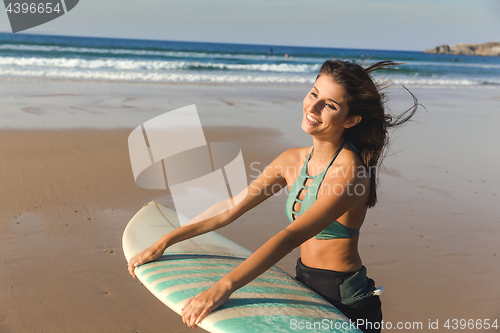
[{"x": 68, "y": 193}]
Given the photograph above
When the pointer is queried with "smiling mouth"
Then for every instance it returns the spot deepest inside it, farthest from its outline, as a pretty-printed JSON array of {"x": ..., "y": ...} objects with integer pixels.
[{"x": 311, "y": 119}]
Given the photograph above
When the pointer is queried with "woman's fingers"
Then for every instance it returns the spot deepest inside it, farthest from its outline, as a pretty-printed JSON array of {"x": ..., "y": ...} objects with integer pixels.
[
  {"x": 187, "y": 303},
  {"x": 200, "y": 306},
  {"x": 152, "y": 253},
  {"x": 131, "y": 269},
  {"x": 202, "y": 316},
  {"x": 195, "y": 315},
  {"x": 139, "y": 260},
  {"x": 195, "y": 312},
  {"x": 132, "y": 264}
]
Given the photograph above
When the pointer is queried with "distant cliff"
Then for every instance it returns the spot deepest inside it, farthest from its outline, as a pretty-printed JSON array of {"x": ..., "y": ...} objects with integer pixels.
[{"x": 487, "y": 49}]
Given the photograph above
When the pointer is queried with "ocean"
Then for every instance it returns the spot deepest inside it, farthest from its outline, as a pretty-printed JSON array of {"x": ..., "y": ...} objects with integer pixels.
[{"x": 110, "y": 59}]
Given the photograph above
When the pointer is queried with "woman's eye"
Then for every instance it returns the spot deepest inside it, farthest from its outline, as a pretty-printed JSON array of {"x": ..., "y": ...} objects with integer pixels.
[
  {"x": 331, "y": 106},
  {"x": 313, "y": 94}
]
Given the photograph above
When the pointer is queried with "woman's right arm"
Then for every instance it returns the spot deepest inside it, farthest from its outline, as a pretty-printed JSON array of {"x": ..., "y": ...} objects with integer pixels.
[{"x": 267, "y": 184}]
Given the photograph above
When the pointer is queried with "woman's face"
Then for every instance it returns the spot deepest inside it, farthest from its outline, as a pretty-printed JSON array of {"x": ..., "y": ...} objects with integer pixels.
[{"x": 325, "y": 109}]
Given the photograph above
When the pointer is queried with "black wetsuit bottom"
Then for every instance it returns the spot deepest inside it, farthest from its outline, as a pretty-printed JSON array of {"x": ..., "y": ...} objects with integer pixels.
[{"x": 366, "y": 312}]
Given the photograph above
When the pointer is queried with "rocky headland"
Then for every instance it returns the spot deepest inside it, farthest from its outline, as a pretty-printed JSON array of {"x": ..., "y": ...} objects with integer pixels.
[{"x": 486, "y": 49}]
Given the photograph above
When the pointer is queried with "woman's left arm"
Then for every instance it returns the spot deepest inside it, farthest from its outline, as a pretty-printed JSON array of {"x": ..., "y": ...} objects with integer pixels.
[{"x": 327, "y": 208}]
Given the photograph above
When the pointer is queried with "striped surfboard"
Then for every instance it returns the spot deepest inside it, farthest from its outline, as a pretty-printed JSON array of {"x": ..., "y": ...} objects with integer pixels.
[{"x": 273, "y": 302}]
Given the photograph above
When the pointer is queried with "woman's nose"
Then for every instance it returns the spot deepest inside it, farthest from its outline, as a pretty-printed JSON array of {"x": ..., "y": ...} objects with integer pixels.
[{"x": 315, "y": 107}]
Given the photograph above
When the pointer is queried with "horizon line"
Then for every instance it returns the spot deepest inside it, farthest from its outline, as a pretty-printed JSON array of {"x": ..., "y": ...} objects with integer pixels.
[{"x": 206, "y": 42}]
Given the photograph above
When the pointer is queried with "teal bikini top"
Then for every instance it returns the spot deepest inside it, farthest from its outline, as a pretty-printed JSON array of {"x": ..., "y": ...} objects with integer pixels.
[{"x": 334, "y": 230}]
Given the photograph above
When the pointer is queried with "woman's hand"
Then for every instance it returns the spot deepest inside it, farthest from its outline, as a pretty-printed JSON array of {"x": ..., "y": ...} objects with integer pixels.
[
  {"x": 148, "y": 255},
  {"x": 198, "y": 307}
]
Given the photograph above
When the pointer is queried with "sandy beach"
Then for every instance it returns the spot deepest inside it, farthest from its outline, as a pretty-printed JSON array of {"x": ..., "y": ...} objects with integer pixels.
[{"x": 68, "y": 193}]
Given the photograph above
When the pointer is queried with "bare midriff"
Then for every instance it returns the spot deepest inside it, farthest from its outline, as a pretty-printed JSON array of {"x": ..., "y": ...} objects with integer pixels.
[{"x": 339, "y": 255}]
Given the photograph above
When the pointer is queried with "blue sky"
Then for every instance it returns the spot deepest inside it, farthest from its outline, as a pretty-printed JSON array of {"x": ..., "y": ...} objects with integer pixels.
[{"x": 370, "y": 24}]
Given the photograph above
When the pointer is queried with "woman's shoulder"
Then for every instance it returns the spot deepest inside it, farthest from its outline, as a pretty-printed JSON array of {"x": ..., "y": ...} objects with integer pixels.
[
  {"x": 349, "y": 155},
  {"x": 349, "y": 164},
  {"x": 295, "y": 155},
  {"x": 290, "y": 161}
]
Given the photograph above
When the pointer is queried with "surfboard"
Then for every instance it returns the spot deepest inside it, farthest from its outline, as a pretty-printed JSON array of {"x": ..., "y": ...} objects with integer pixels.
[{"x": 273, "y": 302}]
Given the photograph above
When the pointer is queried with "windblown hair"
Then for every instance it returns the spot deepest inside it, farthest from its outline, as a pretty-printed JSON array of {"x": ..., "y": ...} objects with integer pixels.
[{"x": 366, "y": 98}]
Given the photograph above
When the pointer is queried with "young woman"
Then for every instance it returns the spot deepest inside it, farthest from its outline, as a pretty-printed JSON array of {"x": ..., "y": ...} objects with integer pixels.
[{"x": 331, "y": 185}]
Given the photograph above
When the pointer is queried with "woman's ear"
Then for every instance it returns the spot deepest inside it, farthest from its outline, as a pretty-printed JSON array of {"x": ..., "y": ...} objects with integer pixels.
[{"x": 352, "y": 121}]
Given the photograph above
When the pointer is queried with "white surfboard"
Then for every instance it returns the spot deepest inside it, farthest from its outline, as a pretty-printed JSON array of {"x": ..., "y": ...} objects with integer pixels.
[{"x": 273, "y": 302}]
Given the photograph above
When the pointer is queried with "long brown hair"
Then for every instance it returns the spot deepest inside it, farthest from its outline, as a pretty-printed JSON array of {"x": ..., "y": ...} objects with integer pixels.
[{"x": 366, "y": 98}]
